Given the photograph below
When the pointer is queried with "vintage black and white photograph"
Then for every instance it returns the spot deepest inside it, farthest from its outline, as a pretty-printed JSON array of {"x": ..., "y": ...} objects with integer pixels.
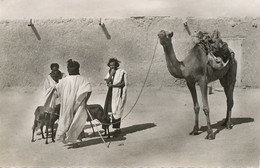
[{"x": 130, "y": 84}]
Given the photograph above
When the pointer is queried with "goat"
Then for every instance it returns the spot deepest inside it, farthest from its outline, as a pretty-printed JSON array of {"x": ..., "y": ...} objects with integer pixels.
[
  {"x": 45, "y": 116},
  {"x": 97, "y": 112}
]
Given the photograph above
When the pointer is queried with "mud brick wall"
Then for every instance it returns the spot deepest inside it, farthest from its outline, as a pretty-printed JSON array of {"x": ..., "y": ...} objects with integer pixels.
[{"x": 25, "y": 60}]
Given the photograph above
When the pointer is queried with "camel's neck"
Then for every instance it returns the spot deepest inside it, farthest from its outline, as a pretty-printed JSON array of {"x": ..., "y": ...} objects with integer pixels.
[{"x": 173, "y": 65}]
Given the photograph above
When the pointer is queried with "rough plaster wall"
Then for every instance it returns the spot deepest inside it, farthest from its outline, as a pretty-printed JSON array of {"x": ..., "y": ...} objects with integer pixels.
[{"x": 25, "y": 60}]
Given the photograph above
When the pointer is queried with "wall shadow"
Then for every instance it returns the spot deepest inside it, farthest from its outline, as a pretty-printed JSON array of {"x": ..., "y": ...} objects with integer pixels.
[
  {"x": 220, "y": 127},
  {"x": 125, "y": 131},
  {"x": 103, "y": 26},
  {"x": 35, "y": 31}
]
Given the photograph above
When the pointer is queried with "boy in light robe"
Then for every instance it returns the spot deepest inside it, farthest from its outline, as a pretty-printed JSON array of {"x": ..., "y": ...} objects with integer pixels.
[
  {"x": 50, "y": 98},
  {"x": 50, "y": 83},
  {"x": 116, "y": 80}
]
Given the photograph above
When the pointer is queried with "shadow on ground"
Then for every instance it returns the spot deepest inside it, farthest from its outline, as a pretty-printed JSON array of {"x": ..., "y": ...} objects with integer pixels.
[
  {"x": 220, "y": 127},
  {"x": 125, "y": 131}
]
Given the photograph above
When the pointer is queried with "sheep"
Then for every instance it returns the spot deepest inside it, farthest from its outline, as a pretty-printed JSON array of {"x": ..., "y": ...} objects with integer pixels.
[
  {"x": 97, "y": 112},
  {"x": 45, "y": 116}
]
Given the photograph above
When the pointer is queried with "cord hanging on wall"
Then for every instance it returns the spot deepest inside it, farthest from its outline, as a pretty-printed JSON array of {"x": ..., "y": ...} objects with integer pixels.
[
  {"x": 103, "y": 26},
  {"x": 34, "y": 29}
]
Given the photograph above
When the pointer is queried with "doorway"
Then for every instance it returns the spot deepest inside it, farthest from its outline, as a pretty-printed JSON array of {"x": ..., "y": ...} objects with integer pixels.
[{"x": 236, "y": 45}]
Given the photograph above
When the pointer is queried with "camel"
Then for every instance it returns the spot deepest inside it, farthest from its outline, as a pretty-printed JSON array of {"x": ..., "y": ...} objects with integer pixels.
[{"x": 195, "y": 69}]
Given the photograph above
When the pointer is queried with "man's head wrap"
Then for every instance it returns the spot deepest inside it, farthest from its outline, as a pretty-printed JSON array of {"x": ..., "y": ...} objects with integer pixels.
[{"x": 73, "y": 67}]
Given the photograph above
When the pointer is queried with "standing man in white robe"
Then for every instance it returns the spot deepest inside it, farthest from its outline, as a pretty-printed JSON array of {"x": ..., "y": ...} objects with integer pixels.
[
  {"x": 116, "y": 80},
  {"x": 74, "y": 92}
]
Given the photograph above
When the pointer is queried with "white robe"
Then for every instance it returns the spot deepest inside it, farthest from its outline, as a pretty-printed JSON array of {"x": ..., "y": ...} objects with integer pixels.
[
  {"x": 49, "y": 84},
  {"x": 72, "y": 91},
  {"x": 119, "y": 94}
]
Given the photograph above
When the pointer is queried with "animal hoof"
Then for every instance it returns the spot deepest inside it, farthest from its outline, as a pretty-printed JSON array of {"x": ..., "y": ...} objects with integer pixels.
[
  {"x": 53, "y": 140},
  {"x": 46, "y": 143},
  {"x": 194, "y": 132},
  {"x": 33, "y": 140},
  {"x": 228, "y": 125},
  {"x": 210, "y": 135}
]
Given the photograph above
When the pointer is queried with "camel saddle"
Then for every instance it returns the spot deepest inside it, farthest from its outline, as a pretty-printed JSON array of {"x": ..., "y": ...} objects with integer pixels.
[
  {"x": 204, "y": 40},
  {"x": 216, "y": 62},
  {"x": 213, "y": 61}
]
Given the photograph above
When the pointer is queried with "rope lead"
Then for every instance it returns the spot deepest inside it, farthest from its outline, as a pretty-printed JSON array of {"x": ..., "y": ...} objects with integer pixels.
[{"x": 149, "y": 69}]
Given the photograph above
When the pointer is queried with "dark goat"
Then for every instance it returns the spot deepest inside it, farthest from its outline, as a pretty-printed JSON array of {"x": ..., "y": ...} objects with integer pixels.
[
  {"x": 45, "y": 116},
  {"x": 97, "y": 112}
]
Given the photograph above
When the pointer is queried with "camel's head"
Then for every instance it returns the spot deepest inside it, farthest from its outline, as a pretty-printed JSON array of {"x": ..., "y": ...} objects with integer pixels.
[{"x": 165, "y": 38}]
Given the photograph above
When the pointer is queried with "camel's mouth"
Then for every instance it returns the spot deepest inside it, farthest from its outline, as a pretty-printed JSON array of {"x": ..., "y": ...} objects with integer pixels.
[
  {"x": 165, "y": 37},
  {"x": 162, "y": 34}
]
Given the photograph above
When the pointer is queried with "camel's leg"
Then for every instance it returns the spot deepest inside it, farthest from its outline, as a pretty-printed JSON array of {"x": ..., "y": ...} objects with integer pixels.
[
  {"x": 193, "y": 92},
  {"x": 228, "y": 82},
  {"x": 204, "y": 94},
  {"x": 230, "y": 102}
]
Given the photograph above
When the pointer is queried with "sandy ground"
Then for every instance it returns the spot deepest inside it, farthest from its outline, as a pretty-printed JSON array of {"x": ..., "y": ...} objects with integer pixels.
[{"x": 155, "y": 134}]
